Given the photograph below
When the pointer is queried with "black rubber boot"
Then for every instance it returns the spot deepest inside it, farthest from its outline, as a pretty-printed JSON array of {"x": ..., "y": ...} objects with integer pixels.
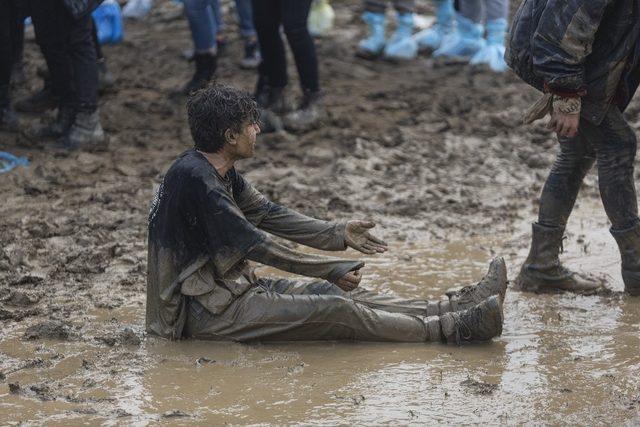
[
  {"x": 85, "y": 133},
  {"x": 58, "y": 127},
  {"x": 39, "y": 102},
  {"x": 542, "y": 271},
  {"x": 206, "y": 64},
  {"x": 629, "y": 244},
  {"x": 308, "y": 115},
  {"x": 482, "y": 322}
]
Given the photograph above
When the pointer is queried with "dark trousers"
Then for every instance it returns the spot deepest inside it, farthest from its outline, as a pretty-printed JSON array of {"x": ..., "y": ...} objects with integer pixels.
[
  {"x": 8, "y": 20},
  {"x": 268, "y": 15},
  {"x": 68, "y": 48},
  {"x": 612, "y": 144}
]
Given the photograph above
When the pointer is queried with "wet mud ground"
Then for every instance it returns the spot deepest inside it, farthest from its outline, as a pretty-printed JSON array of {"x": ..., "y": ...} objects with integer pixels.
[{"x": 433, "y": 152}]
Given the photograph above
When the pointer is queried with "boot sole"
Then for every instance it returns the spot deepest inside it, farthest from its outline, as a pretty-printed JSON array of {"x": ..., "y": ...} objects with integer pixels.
[
  {"x": 524, "y": 284},
  {"x": 493, "y": 310}
]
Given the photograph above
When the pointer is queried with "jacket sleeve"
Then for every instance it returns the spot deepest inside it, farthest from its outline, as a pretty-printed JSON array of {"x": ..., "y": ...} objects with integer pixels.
[
  {"x": 289, "y": 224},
  {"x": 563, "y": 40}
]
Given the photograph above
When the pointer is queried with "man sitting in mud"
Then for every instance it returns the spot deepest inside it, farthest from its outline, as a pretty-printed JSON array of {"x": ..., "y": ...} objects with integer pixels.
[{"x": 207, "y": 222}]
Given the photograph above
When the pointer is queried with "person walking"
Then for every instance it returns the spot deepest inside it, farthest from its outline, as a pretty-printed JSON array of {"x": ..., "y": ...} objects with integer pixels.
[{"x": 585, "y": 56}]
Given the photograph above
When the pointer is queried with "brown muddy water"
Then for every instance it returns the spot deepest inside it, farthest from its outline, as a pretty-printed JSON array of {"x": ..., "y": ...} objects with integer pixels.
[{"x": 562, "y": 359}]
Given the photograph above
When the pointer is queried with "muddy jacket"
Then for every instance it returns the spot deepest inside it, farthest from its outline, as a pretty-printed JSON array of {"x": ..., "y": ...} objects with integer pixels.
[
  {"x": 586, "y": 47},
  {"x": 203, "y": 229}
]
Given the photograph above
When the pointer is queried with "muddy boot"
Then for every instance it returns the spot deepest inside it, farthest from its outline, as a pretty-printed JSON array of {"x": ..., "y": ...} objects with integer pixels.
[
  {"x": 482, "y": 322},
  {"x": 271, "y": 105},
  {"x": 309, "y": 114},
  {"x": 86, "y": 133},
  {"x": 206, "y": 64},
  {"x": 542, "y": 271},
  {"x": 105, "y": 78},
  {"x": 372, "y": 46},
  {"x": 493, "y": 283},
  {"x": 629, "y": 244},
  {"x": 402, "y": 46},
  {"x": 434, "y": 37},
  {"x": 251, "y": 58},
  {"x": 39, "y": 102},
  {"x": 58, "y": 127}
]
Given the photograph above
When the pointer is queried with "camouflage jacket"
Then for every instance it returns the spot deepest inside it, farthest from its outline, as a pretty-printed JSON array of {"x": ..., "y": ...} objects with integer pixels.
[{"x": 585, "y": 47}]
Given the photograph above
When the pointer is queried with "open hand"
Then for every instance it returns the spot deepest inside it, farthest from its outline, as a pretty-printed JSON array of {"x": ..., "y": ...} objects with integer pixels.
[
  {"x": 349, "y": 281},
  {"x": 357, "y": 236}
]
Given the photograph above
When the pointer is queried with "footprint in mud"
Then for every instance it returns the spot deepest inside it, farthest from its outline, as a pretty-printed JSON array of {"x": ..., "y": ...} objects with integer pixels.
[{"x": 50, "y": 329}]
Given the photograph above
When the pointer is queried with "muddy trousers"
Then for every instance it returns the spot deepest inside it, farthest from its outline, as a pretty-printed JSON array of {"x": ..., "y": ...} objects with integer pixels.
[
  {"x": 379, "y": 6},
  {"x": 285, "y": 310},
  {"x": 612, "y": 144}
]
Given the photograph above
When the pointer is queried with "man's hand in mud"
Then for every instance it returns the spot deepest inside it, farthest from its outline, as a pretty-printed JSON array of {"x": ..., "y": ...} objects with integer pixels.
[
  {"x": 564, "y": 124},
  {"x": 349, "y": 281},
  {"x": 357, "y": 236}
]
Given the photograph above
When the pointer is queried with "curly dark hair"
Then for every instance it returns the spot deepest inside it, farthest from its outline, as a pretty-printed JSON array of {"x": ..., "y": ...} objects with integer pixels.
[{"x": 214, "y": 109}]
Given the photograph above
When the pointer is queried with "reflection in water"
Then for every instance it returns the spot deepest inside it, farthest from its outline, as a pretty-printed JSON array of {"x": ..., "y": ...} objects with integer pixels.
[{"x": 562, "y": 359}]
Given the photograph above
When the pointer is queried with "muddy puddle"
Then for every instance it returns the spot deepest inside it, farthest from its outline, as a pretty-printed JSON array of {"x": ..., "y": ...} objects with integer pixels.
[{"x": 562, "y": 359}]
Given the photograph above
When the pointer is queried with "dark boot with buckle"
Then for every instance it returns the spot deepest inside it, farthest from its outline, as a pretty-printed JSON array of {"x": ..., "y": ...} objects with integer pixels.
[
  {"x": 542, "y": 270},
  {"x": 206, "y": 64},
  {"x": 482, "y": 322},
  {"x": 308, "y": 115},
  {"x": 629, "y": 244},
  {"x": 58, "y": 127},
  {"x": 86, "y": 133}
]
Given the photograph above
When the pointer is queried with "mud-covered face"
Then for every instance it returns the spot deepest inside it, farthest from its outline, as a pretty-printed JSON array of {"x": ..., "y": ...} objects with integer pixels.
[{"x": 245, "y": 141}]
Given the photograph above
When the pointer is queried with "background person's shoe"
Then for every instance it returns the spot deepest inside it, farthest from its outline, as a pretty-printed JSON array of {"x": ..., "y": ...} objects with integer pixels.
[
  {"x": 206, "y": 64},
  {"x": 251, "y": 58},
  {"x": 402, "y": 46},
  {"x": 492, "y": 54},
  {"x": 309, "y": 114},
  {"x": 433, "y": 37},
  {"x": 85, "y": 133},
  {"x": 542, "y": 270},
  {"x": 466, "y": 43},
  {"x": 58, "y": 127},
  {"x": 372, "y": 46},
  {"x": 39, "y": 102},
  {"x": 479, "y": 323}
]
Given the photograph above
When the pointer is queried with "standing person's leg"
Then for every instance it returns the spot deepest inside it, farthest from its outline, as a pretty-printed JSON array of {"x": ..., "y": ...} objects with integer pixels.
[
  {"x": 8, "y": 119},
  {"x": 616, "y": 144},
  {"x": 497, "y": 13},
  {"x": 202, "y": 24},
  {"x": 272, "y": 71},
  {"x": 402, "y": 45},
  {"x": 52, "y": 27},
  {"x": 105, "y": 78},
  {"x": 17, "y": 46},
  {"x": 542, "y": 269},
  {"x": 469, "y": 35},
  {"x": 264, "y": 315},
  {"x": 295, "y": 14},
  {"x": 86, "y": 130},
  {"x": 221, "y": 40},
  {"x": 251, "y": 57}
]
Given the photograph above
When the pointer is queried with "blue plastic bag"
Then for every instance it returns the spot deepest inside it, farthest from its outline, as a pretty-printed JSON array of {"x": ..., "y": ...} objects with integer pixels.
[
  {"x": 8, "y": 161},
  {"x": 108, "y": 19}
]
